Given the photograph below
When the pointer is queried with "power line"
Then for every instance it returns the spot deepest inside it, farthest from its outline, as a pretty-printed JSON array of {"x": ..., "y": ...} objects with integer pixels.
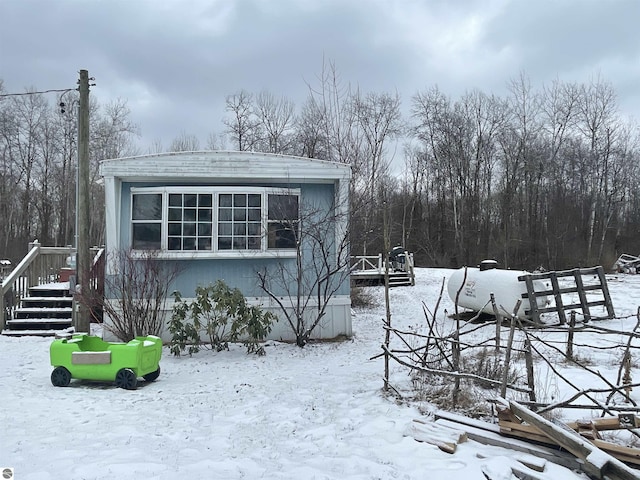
[{"x": 36, "y": 93}]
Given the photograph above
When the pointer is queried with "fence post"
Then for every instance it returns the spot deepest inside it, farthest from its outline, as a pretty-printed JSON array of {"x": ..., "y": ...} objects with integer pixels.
[
  {"x": 572, "y": 324},
  {"x": 528, "y": 357},
  {"x": 507, "y": 355},
  {"x": 2, "y": 310},
  {"x": 455, "y": 354},
  {"x": 626, "y": 378},
  {"x": 498, "y": 321}
]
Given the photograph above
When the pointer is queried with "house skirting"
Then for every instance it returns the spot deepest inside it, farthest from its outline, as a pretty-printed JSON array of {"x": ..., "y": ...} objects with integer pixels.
[{"x": 336, "y": 322}]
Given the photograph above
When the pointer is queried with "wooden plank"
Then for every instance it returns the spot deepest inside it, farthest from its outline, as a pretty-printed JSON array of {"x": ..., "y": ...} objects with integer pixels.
[
  {"x": 460, "y": 421},
  {"x": 454, "y": 436},
  {"x": 610, "y": 423},
  {"x": 558, "y": 297},
  {"x": 525, "y": 431},
  {"x": 494, "y": 438},
  {"x": 626, "y": 454},
  {"x": 583, "y": 297},
  {"x": 523, "y": 474},
  {"x": 430, "y": 437},
  {"x": 532, "y": 462},
  {"x": 505, "y": 414},
  {"x": 533, "y": 310},
  {"x": 605, "y": 293},
  {"x": 597, "y": 462}
]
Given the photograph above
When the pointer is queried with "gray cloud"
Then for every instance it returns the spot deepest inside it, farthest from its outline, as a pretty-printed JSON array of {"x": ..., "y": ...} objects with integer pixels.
[{"x": 175, "y": 61}]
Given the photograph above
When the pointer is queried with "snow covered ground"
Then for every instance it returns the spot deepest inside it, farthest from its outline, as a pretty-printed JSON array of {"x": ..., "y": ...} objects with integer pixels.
[{"x": 312, "y": 413}]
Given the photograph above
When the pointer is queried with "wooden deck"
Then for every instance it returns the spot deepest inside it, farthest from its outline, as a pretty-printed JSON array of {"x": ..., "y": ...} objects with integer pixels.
[{"x": 371, "y": 270}]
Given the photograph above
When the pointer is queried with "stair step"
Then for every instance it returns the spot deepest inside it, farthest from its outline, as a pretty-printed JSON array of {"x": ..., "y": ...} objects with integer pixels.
[
  {"x": 51, "y": 290},
  {"x": 66, "y": 298},
  {"x": 62, "y": 303},
  {"x": 42, "y": 313},
  {"x": 36, "y": 333},
  {"x": 43, "y": 310},
  {"x": 29, "y": 321}
]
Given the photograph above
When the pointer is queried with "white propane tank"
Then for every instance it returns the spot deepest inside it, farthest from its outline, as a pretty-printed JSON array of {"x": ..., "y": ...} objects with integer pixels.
[{"x": 481, "y": 282}]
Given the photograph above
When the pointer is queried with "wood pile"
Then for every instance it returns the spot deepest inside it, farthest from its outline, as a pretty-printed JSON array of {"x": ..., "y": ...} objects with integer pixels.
[
  {"x": 513, "y": 425},
  {"x": 578, "y": 446}
]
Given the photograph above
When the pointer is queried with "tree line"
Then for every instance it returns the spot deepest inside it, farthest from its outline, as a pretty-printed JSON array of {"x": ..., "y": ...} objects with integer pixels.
[{"x": 543, "y": 176}]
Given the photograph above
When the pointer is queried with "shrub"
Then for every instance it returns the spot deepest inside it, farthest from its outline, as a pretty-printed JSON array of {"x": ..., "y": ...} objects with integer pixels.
[
  {"x": 487, "y": 365},
  {"x": 223, "y": 314},
  {"x": 361, "y": 298}
]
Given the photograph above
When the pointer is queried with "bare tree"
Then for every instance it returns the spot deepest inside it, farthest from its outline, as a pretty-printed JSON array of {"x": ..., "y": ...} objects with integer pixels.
[
  {"x": 598, "y": 124},
  {"x": 312, "y": 141},
  {"x": 216, "y": 141},
  {"x": 378, "y": 118},
  {"x": 331, "y": 100},
  {"x": 185, "y": 143},
  {"x": 242, "y": 126},
  {"x": 276, "y": 117},
  {"x": 155, "y": 147},
  {"x": 304, "y": 287}
]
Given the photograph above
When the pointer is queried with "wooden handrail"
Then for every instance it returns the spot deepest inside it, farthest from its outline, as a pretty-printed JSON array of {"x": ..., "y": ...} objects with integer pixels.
[
  {"x": 11, "y": 279},
  {"x": 24, "y": 275}
]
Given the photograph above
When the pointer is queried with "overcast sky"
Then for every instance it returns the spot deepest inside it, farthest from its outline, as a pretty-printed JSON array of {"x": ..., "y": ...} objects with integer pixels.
[{"x": 175, "y": 61}]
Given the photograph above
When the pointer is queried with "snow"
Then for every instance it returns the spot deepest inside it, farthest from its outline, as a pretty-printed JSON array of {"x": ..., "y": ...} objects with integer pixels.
[{"x": 312, "y": 413}]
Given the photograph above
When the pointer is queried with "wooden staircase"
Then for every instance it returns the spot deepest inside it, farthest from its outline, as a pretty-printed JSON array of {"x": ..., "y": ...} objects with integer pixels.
[
  {"x": 35, "y": 297},
  {"x": 46, "y": 310}
]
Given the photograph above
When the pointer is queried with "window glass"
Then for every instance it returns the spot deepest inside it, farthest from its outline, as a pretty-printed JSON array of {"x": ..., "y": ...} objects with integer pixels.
[
  {"x": 147, "y": 236},
  {"x": 283, "y": 207},
  {"x": 147, "y": 206},
  {"x": 283, "y": 221},
  {"x": 188, "y": 221},
  {"x": 238, "y": 216},
  {"x": 146, "y": 215}
]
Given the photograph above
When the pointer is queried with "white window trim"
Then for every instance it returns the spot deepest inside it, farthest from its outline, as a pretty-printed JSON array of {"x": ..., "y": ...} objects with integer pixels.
[{"x": 164, "y": 253}]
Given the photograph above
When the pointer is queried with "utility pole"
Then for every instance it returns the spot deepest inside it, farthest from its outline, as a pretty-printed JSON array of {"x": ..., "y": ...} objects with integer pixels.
[{"x": 83, "y": 258}]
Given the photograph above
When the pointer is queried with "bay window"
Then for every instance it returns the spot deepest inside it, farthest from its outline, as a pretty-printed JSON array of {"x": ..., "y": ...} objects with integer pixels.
[{"x": 214, "y": 219}]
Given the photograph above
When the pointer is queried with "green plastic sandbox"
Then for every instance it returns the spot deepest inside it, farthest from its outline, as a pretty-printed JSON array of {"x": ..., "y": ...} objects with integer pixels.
[{"x": 88, "y": 357}]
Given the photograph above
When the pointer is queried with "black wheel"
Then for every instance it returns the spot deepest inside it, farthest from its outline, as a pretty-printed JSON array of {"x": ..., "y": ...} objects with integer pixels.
[
  {"x": 126, "y": 378},
  {"x": 150, "y": 377},
  {"x": 60, "y": 377}
]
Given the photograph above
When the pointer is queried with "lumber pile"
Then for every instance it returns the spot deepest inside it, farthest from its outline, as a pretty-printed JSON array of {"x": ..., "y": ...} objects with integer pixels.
[
  {"x": 602, "y": 459},
  {"x": 577, "y": 446},
  {"x": 513, "y": 426}
]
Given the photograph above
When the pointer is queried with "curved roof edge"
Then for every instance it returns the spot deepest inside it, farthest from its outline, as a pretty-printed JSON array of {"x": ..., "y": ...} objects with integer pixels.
[{"x": 222, "y": 164}]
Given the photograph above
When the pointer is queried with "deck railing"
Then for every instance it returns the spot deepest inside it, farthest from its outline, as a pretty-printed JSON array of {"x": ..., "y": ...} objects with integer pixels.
[
  {"x": 42, "y": 265},
  {"x": 369, "y": 263}
]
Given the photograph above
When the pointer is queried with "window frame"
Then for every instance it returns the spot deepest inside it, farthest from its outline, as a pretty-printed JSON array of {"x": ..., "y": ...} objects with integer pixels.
[
  {"x": 146, "y": 221},
  {"x": 215, "y": 252}
]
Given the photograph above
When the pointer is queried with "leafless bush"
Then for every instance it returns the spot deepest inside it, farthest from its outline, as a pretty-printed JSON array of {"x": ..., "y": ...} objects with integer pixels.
[
  {"x": 361, "y": 298},
  {"x": 438, "y": 391},
  {"x": 136, "y": 287},
  {"x": 488, "y": 365}
]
